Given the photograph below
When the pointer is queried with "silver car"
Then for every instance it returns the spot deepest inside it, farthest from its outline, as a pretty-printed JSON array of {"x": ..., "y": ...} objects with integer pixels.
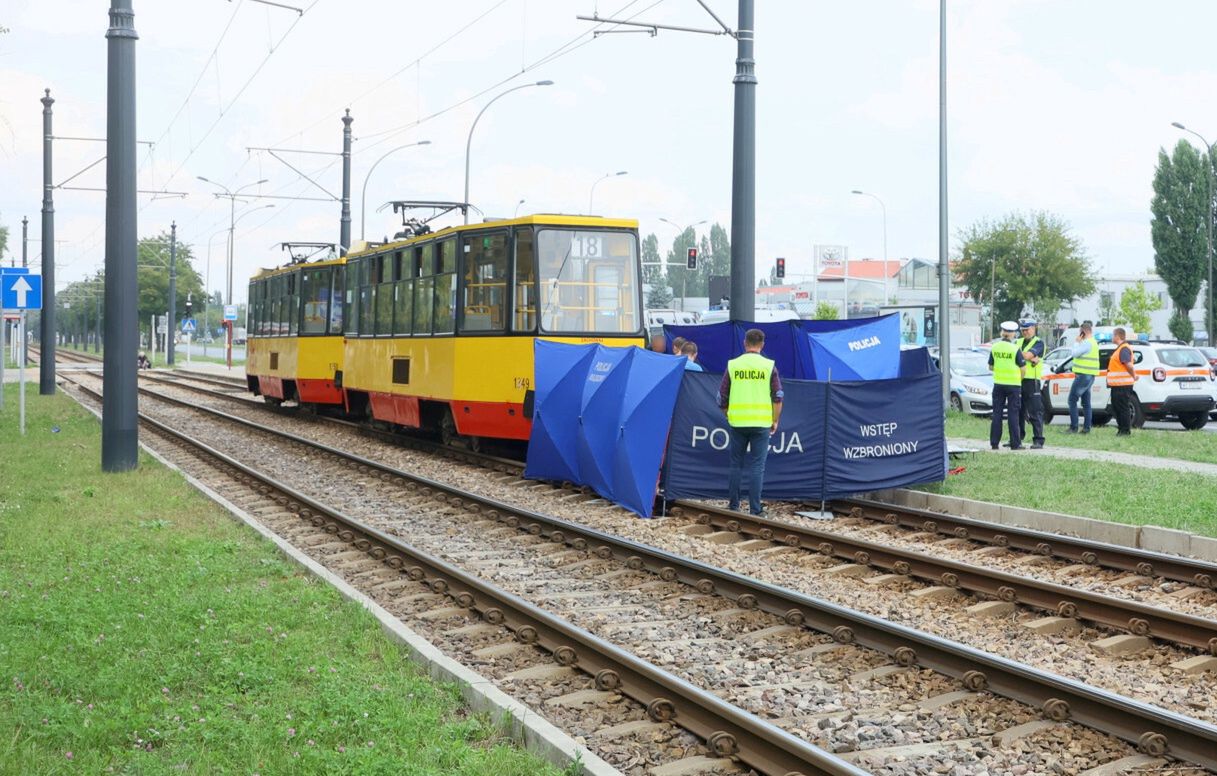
[{"x": 971, "y": 382}]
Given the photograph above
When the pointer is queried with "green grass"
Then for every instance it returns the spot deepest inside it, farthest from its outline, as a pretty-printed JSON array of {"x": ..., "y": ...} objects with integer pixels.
[
  {"x": 144, "y": 631},
  {"x": 1200, "y": 446},
  {"x": 1105, "y": 491}
]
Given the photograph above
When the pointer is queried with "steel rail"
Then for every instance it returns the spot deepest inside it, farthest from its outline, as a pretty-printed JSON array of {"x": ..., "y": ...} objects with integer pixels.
[
  {"x": 728, "y": 730},
  {"x": 1153, "y": 730},
  {"x": 1143, "y": 562},
  {"x": 1122, "y": 614}
]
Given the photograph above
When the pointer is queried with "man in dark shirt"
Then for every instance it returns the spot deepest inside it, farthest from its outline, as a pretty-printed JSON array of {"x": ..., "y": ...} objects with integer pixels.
[
  {"x": 751, "y": 395},
  {"x": 1032, "y": 348}
]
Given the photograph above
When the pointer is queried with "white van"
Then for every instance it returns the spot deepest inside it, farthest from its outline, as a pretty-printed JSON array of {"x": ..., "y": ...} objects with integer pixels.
[
  {"x": 764, "y": 314},
  {"x": 657, "y": 319},
  {"x": 1102, "y": 334}
]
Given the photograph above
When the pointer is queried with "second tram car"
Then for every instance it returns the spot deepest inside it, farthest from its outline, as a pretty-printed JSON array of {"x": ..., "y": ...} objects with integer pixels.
[{"x": 295, "y": 326}]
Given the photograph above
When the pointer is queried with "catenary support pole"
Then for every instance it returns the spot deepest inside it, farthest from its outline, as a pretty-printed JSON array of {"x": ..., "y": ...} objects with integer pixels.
[
  {"x": 944, "y": 264},
  {"x": 46, "y": 334},
  {"x": 97, "y": 331},
  {"x": 171, "y": 323},
  {"x": 344, "y": 231},
  {"x": 120, "y": 405},
  {"x": 743, "y": 172}
]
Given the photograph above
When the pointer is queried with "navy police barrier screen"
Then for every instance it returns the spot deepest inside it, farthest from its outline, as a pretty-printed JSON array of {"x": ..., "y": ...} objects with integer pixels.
[
  {"x": 855, "y": 349},
  {"x": 600, "y": 418},
  {"x": 834, "y": 439}
]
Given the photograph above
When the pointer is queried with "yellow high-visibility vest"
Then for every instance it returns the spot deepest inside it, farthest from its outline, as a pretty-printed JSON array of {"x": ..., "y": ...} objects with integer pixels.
[
  {"x": 1005, "y": 363},
  {"x": 1089, "y": 363},
  {"x": 750, "y": 404}
]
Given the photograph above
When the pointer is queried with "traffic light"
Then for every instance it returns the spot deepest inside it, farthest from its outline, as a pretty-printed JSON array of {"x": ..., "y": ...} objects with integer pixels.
[
  {"x": 780, "y": 271},
  {"x": 692, "y": 260},
  {"x": 189, "y": 307}
]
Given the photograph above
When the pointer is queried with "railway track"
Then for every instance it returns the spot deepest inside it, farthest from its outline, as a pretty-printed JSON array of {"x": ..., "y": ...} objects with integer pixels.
[
  {"x": 1063, "y": 603},
  {"x": 467, "y": 606},
  {"x": 1154, "y": 731}
]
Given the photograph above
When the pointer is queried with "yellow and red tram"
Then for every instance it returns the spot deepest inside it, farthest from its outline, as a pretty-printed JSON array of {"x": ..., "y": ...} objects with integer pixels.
[
  {"x": 295, "y": 326},
  {"x": 436, "y": 330}
]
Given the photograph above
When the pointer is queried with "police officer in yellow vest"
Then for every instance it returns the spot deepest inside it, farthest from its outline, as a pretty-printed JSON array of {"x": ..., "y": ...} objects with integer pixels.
[
  {"x": 751, "y": 395},
  {"x": 1032, "y": 348},
  {"x": 1007, "y": 364}
]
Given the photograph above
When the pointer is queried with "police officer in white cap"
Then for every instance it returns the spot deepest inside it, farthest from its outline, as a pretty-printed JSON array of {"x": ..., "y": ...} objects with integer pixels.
[
  {"x": 1032, "y": 348},
  {"x": 1008, "y": 365}
]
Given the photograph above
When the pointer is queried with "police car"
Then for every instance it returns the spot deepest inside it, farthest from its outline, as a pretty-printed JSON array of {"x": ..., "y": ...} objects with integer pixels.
[{"x": 1172, "y": 381}]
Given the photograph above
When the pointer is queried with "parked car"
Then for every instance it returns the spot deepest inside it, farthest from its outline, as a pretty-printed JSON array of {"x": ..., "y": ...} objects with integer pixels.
[
  {"x": 1101, "y": 333},
  {"x": 971, "y": 381},
  {"x": 1173, "y": 381},
  {"x": 1211, "y": 355}
]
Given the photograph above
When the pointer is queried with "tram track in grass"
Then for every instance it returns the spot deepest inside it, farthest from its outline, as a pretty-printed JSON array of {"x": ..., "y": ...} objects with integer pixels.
[
  {"x": 1054, "y": 696},
  {"x": 488, "y": 622},
  {"x": 1062, "y": 603}
]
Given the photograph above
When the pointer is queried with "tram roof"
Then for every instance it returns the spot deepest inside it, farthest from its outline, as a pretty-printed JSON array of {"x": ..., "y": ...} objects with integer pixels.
[
  {"x": 541, "y": 219},
  {"x": 266, "y": 272}
]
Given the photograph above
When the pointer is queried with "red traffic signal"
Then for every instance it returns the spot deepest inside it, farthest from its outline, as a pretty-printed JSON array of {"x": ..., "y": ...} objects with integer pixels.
[
  {"x": 780, "y": 270},
  {"x": 692, "y": 259}
]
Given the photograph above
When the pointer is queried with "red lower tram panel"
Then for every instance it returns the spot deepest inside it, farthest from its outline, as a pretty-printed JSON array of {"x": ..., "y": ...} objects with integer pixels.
[
  {"x": 492, "y": 420},
  {"x": 319, "y": 392}
]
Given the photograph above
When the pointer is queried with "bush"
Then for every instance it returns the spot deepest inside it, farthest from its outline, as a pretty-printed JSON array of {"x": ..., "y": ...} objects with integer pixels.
[{"x": 1181, "y": 326}]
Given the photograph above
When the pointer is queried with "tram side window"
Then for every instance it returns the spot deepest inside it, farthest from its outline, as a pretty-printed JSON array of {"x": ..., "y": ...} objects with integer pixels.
[
  {"x": 315, "y": 296},
  {"x": 337, "y": 291},
  {"x": 384, "y": 309},
  {"x": 351, "y": 299},
  {"x": 293, "y": 303},
  {"x": 403, "y": 316},
  {"x": 445, "y": 289},
  {"x": 525, "y": 283},
  {"x": 276, "y": 306},
  {"x": 423, "y": 290},
  {"x": 485, "y": 272}
]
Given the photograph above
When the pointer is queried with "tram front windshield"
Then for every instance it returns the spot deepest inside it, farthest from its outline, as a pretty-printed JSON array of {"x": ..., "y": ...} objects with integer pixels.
[{"x": 589, "y": 281}]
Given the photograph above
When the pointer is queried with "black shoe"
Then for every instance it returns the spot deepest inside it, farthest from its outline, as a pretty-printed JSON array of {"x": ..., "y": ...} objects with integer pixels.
[
  {"x": 1123, "y": 433},
  {"x": 1084, "y": 431},
  {"x": 1037, "y": 446},
  {"x": 1020, "y": 447},
  {"x": 1071, "y": 431},
  {"x": 1005, "y": 444},
  {"x": 995, "y": 447}
]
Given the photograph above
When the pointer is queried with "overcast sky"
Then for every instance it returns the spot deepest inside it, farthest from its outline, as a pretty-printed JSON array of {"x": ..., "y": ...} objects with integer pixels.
[{"x": 1053, "y": 104}]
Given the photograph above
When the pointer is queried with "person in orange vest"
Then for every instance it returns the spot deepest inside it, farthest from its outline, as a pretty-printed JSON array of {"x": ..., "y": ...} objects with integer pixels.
[{"x": 1121, "y": 374}]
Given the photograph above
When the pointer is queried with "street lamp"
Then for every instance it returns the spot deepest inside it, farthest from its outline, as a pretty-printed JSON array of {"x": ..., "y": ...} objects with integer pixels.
[
  {"x": 469, "y": 141},
  {"x": 517, "y": 210},
  {"x": 886, "y": 274},
  {"x": 591, "y": 197},
  {"x": 363, "y": 201},
  {"x": 232, "y": 209},
  {"x": 1208, "y": 231},
  {"x": 684, "y": 279}
]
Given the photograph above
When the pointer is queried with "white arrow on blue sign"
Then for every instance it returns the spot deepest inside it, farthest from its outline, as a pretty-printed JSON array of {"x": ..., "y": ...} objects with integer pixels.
[{"x": 20, "y": 291}]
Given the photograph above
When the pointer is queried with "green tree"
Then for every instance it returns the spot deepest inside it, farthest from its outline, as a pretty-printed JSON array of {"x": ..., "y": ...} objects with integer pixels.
[
  {"x": 154, "y": 277},
  {"x": 827, "y": 311},
  {"x": 3, "y": 239},
  {"x": 1024, "y": 263},
  {"x": 1181, "y": 326},
  {"x": 654, "y": 273},
  {"x": 1108, "y": 309},
  {"x": 1135, "y": 306},
  {"x": 1177, "y": 228}
]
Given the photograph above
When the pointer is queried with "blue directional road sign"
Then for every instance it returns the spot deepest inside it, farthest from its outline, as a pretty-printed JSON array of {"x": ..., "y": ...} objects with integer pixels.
[
  {"x": 20, "y": 291},
  {"x": 189, "y": 326}
]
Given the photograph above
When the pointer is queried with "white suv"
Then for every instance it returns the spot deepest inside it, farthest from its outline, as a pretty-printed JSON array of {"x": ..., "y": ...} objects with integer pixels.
[{"x": 1172, "y": 380}]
